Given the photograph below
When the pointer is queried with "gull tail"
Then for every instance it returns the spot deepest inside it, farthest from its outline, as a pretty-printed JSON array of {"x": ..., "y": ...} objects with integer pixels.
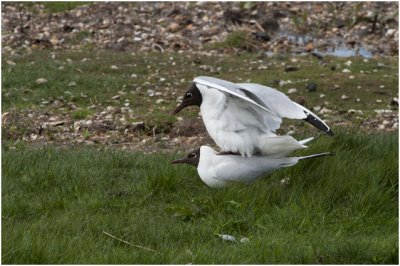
[
  {"x": 304, "y": 141},
  {"x": 280, "y": 145},
  {"x": 317, "y": 155}
]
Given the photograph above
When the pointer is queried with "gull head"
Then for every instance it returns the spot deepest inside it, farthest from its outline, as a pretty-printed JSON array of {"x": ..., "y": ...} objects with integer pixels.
[
  {"x": 192, "y": 158},
  {"x": 192, "y": 97}
]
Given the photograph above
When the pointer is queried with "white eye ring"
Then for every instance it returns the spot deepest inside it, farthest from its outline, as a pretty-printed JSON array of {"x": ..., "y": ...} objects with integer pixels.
[
  {"x": 194, "y": 155},
  {"x": 189, "y": 94}
]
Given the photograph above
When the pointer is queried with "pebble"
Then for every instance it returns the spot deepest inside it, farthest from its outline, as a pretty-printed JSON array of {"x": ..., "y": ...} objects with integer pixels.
[
  {"x": 292, "y": 90},
  {"x": 150, "y": 93},
  {"x": 71, "y": 84},
  {"x": 11, "y": 63},
  {"x": 311, "y": 87},
  {"x": 159, "y": 101},
  {"x": 291, "y": 68},
  {"x": 381, "y": 126},
  {"x": 390, "y": 32},
  {"x": 227, "y": 238},
  {"x": 114, "y": 67},
  {"x": 345, "y": 97},
  {"x": 378, "y": 100},
  {"x": 385, "y": 122},
  {"x": 88, "y": 122},
  {"x": 346, "y": 70},
  {"x": 41, "y": 81},
  {"x": 394, "y": 101},
  {"x": 110, "y": 109},
  {"x": 348, "y": 63},
  {"x": 351, "y": 77},
  {"x": 244, "y": 240},
  {"x": 325, "y": 110}
]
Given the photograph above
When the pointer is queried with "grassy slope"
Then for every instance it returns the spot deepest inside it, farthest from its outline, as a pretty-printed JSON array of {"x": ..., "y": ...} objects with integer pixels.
[
  {"x": 344, "y": 209},
  {"x": 95, "y": 78}
]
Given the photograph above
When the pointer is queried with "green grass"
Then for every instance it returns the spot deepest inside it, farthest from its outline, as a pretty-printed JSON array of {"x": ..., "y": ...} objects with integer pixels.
[
  {"x": 86, "y": 78},
  {"x": 56, "y": 204},
  {"x": 55, "y": 7}
]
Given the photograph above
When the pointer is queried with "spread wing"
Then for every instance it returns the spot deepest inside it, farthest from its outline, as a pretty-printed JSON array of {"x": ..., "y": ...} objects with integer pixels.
[
  {"x": 271, "y": 103},
  {"x": 281, "y": 105}
]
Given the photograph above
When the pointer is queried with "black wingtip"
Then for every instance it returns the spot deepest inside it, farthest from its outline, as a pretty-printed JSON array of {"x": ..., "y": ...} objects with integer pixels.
[
  {"x": 316, "y": 122},
  {"x": 330, "y": 133}
]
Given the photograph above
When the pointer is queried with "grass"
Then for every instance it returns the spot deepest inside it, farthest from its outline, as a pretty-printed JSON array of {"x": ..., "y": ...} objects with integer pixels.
[
  {"x": 87, "y": 78},
  {"x": 56, "y": 204}
]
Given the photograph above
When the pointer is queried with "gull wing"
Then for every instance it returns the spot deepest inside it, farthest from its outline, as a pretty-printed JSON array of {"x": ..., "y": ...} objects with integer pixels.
[
  {"x": 283, "y": 106},
  {"x": 231, "y": 89},
  {"x": 244, "y": 99}
]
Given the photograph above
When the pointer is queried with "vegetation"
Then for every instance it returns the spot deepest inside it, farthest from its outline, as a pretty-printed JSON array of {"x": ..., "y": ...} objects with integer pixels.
[{"x": 61, "y": 206}]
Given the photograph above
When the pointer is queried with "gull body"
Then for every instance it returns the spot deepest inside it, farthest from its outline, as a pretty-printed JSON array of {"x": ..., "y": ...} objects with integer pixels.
[
  {"x": 243, "y": 117},
  {"x": 219, "y": 170}
]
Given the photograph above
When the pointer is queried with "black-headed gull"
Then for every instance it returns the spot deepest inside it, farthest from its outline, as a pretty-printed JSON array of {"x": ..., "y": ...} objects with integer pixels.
[
  {"x": 242, "y": 117},
  {"x": 220, "y": 169}
]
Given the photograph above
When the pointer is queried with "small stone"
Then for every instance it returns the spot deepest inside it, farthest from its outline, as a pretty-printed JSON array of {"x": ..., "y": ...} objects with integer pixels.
[
  {"x": 395, "y": 125},
  {"x": 385, "y": 122},
  {"x": 114, "y": 67},
  {"x": 311, "y": 87},
  {"x": 159, "y": 101},
  {"x": 381, "y": 126},
  {"x": 292, "y": 90},
  {"x": 11, "y": 63},
  {"x": 317, "y": 108},
  {"x": 390, "y": 32},
  {"x": 41, "y": 81},
  {"x": 134, "y": 76},
  {"x": 325, "y": 110},
  {"x": 173, "y": 27},
  {"x": 110, "y": 109},
  {"x": 244, "y": 240},
  {"x": 348, "y": 63},
  {"x": 88, "y": 123},
  {"x": 71, "y": 84},
  {"x": 346, "y": 70},
  {"x": 394, "y": 101},
  {"x": 227, "y": 238},
  {"x": 150, "y": 93},
  {"x": 351, "y": 77},
  {"x": 378, "y": 100},
  {"x": 54, "y": 40},
  {"x": 291, "y": 68},
  {"x": 322, "y": 95},
  {"x": 345, "y": 97}
]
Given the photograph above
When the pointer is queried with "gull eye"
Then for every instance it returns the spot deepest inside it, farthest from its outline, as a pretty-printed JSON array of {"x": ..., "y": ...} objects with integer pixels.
[
  {"x": 189, "y": 94},
  {"x": 192, "y": 155}
]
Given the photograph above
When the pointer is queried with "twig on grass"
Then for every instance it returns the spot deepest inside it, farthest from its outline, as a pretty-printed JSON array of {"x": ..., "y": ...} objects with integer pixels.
[{"x": 126, "y": 242}]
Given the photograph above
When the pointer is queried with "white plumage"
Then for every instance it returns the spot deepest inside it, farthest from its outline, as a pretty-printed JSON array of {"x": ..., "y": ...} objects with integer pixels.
[
  {"x": 219, "y": 170},
  {"x": 243, "y": 117}
]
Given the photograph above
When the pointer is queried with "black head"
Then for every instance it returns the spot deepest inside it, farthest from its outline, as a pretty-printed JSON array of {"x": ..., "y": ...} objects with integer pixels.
[
  {"x": 192, "y": 97},
  {"x": 192, "y": 158}
]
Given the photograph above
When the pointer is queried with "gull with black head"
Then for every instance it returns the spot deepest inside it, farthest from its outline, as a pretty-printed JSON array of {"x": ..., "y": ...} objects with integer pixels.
[
  {"x": 221, "y": 169},
  {"x": 243, "y": 117}
]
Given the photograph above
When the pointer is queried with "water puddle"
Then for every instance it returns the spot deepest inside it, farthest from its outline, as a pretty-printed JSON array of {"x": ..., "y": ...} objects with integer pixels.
[{"x": 331, "y": 46}]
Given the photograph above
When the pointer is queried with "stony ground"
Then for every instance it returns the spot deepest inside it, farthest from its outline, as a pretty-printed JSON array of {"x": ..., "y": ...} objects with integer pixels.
[
  {"x": 111, "y": 73},
  {"x": 270, "y": 26}
]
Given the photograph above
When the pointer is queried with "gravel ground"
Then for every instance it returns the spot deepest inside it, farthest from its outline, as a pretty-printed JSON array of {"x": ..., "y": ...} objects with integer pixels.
[{"x": 368, "y": 28}]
